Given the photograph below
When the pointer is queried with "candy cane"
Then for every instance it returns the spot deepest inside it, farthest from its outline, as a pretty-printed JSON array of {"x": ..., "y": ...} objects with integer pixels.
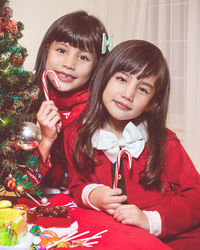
[
  {"x": 44, "y": 83},
  {"x": 46, "y": 92},
  {"x": 117, "y": 166}
]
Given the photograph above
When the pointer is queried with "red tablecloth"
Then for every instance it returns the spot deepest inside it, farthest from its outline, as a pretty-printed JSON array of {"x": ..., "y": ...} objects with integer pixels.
[{"x": 119, "y": 236}]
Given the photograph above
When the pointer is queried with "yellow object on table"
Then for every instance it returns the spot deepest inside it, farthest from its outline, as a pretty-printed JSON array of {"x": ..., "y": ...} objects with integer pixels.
[
  {"x": 5, "y": 203},
  {"x": 13, "y": 226}
]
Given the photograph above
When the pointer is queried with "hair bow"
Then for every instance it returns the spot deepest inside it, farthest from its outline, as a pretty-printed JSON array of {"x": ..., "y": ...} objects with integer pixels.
[
  {"x": 132, "y": 143},
  {"x": 106, "y": 43}
]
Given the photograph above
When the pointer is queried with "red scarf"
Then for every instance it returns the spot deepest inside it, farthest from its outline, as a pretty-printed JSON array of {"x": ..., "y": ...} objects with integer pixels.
[{"x": 70, "y": 104}]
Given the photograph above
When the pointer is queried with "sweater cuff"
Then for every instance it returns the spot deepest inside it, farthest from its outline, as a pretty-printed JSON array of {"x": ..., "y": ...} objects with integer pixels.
[
  {"x": 48, "y": 161},
  {"x": 154, "y": 220},
  {"x": 85, "y": 195},
  {"x": 43, "y": 167}
]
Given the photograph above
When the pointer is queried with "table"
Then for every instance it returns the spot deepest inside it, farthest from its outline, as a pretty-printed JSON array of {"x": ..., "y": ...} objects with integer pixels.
[{"x": 118, "y": 237}]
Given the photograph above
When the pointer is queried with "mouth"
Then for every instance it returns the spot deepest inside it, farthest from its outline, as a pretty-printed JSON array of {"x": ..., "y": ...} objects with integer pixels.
[
  {"x": 65, "y": 77},
  {"x": 122, "y": 106}
]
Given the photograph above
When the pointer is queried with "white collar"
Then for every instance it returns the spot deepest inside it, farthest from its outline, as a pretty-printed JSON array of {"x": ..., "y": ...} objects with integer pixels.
[{"x": 132, "y": 140}]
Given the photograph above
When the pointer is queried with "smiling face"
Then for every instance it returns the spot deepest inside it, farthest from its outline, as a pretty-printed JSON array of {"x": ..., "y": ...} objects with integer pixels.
[
  {"x": 125, "y": 97},
  {"x": 72, "y": 65}
]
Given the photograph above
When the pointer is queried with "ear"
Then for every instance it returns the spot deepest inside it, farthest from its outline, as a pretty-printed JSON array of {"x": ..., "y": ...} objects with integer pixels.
[{"x": 153, "y": 103}]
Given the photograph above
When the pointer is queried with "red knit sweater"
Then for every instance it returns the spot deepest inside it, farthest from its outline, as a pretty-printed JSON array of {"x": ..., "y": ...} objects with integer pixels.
[
  {"x": 179, "y": 203},
  {"x": 70, "y": 105}
]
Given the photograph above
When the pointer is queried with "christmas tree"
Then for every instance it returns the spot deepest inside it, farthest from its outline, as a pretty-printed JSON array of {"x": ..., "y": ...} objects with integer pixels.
[{"x": 18, "y": 134}]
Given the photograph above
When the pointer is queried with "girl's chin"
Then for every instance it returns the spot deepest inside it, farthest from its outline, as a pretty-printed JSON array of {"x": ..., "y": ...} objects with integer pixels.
[{"x": 63, "y": 90}]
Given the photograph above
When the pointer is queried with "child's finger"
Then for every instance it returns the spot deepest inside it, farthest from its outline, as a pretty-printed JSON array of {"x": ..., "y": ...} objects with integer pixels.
[
  {"x": 47, "y": 113},
  {"x": 110, "y": 211},
  {"x": 116, "y": 191},
  {"x": 113, "y": 206},
  {"x": 127, "y": 221},
  {"x": 118, "y": 199},
  {"x": 46, "y": 106},
  {"x": 52, "y": 114},
  {"x": 118, "y": 217}
]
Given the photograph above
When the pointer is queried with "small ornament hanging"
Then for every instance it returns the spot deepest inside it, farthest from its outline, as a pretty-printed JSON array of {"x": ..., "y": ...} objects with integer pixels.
[
  {"x": 44, "y": 201},
  {"x": 16, "y": 59},
  {"x": 20, "y": 190},
  {"x": 1, "y": 34},
  {"x": 10, "y": 184},
  {"x": 28, "y": 136},
  {"x": 7, "y": 12}
]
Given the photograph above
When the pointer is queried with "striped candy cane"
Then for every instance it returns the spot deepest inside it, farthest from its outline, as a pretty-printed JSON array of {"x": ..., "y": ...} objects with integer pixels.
[
  {"x": 44, "y": 83},
  {"x": 46, "y": 92},
  {"x": 117, "y": 166}
]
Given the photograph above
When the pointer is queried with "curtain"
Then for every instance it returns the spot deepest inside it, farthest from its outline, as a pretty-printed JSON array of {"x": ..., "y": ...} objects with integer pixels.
[
  {"x": 174, "y": 26},
  {"x": 125, "y": 19},
  {"x": 192, "y": 93}
]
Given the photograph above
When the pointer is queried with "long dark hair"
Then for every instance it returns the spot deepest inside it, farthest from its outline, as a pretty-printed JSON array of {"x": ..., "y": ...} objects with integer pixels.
[
  {"x": 133, "y": 56},
  {"x": 80, "y": 30}
]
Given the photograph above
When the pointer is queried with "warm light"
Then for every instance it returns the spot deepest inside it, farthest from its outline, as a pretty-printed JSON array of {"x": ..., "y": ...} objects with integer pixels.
[
  {"x": 5, "y": 121},
  {"x": 19, "y": 189}
]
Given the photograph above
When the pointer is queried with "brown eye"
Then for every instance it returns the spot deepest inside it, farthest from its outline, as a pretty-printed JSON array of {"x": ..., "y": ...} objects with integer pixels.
[
  {"x": 143, "y": 90},
  {"x": 121, "y": 79},
  {"x": 84, "y": 58},
  {"x": 61, "y": 51}
]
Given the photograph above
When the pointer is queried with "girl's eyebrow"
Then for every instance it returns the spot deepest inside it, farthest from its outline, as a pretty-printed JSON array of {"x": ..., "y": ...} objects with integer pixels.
[
  {"x": 68, "y": 45},
  {"x": 64, "y": 44},
  {"x": 124, "y": 73},
  {"x": 148, "y": 84},
  {"x": 142, "y": 80}
]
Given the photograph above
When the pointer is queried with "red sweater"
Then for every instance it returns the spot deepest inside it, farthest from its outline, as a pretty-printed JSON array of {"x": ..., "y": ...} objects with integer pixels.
[
  {"x": 179, "y": 203},
  {"x": 70, "y": 105}
]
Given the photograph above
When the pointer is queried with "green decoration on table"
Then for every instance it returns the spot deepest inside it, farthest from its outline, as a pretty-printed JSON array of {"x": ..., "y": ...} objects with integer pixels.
[{"x": 35, "y": 230}]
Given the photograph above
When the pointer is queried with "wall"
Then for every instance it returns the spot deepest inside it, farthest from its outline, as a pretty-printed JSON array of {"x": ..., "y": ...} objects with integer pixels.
[{"x": 38, "y": 15}]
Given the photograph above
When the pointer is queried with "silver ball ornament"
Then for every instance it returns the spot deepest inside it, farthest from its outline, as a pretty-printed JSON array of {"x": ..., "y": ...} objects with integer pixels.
[
  {"x": 44, "y": 201},
  {"x": 28, "y": 136}
]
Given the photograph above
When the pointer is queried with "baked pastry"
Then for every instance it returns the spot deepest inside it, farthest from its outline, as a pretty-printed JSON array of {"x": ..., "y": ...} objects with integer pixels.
[
  {"x": 48, "y": 216},
  {"x": 50, "y": 211}
]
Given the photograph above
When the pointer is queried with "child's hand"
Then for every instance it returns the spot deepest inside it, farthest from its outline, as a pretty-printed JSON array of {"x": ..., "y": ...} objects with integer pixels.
[
  {"x": 47, "y": 118},
  {"x": 107, "y": 199},
  {"x": 131, "y": 215}
]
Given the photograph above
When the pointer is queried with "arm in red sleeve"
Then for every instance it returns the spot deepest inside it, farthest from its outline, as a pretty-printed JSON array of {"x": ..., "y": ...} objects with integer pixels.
[
  {"x": 43, "y": 167},
  {"x": 77, "y": 180},
  {"x": 180, "y": 211}
]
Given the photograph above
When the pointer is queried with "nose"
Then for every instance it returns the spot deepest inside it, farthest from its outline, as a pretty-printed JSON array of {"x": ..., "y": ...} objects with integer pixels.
[
  {"x": 129, "y": 93},
  {"x": 69, "y": 62}
]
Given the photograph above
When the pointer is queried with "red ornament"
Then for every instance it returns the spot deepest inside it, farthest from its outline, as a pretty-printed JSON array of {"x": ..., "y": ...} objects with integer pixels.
[
  {"x": 7, "y": 12},
  {"x": 10, "y": 184},
  {"x": 1, "y": 30},
  {"x": 16, "y": 59},
  {"x": 1, "y": 35},
  {"x": 10, "y": 26}
]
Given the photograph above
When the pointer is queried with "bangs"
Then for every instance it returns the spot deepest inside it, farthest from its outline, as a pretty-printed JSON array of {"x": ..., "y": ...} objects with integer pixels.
[
  {"x": 81, "y": 41},
  {"x": 78, "y": 29},
  {"x": 144, "y": 61},
  {"x": 138, "y": 66}
]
